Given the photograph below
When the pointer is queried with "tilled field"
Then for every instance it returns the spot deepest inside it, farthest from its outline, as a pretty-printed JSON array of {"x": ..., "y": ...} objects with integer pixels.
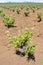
[{"x": 7, "y": 53}]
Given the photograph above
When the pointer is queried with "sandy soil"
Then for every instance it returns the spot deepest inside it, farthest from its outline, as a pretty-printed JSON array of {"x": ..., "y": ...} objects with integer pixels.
[{"x": 7, "y": 53}]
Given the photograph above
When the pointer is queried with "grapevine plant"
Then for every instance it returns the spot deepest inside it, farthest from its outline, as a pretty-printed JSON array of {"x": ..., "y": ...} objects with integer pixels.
[
  {"x": 8, "y": 21},
  {"x": 26, "y": 12},
  {"x": 20, "y": 39},
  {"x": 23, "y": 43},
  {"x": 2, "y": 13},
  {"x": 33, "y": 10},
  {"x": 18, "y": 11},
  {"x": 30, "y": 49},
  {"x": 39, "y": 16},
  {"x": 12, "y": 9}
]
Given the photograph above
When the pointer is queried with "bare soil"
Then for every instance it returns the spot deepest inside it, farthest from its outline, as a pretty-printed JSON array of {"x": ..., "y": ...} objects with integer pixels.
[{"x": 7, "y": 53}]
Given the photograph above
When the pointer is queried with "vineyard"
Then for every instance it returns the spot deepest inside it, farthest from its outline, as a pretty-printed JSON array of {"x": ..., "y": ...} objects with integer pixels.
[{"x": 21, "y": 34}]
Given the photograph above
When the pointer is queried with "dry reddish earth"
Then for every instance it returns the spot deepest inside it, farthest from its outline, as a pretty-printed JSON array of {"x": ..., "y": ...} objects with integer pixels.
[{"x": 7, "y": 53}]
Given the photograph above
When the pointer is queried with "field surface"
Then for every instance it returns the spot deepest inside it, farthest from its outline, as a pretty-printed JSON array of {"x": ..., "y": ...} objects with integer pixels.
[{"x": 7, "y": 53}]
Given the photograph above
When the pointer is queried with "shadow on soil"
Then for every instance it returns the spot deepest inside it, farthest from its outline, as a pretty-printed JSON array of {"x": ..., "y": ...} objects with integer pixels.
[
  {"x": 30, "y": 56},
  {"x": 10, "y": 26}
]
